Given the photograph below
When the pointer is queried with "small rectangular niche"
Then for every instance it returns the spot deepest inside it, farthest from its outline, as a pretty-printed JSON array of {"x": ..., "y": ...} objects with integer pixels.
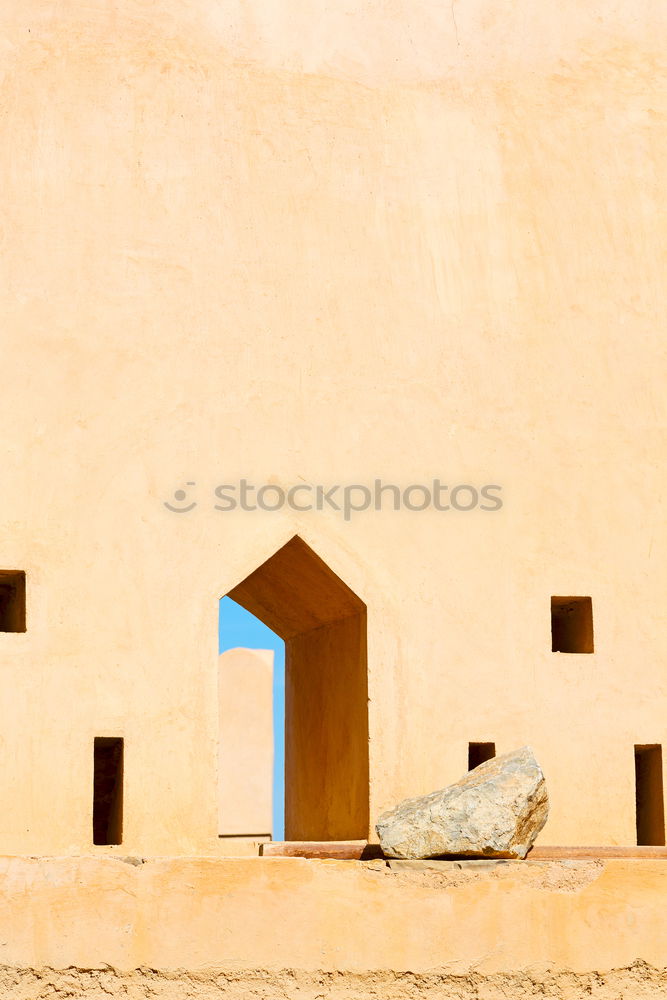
[
  {"x": 479, "y": 752},
  {"x": 649, "y": 795},
  {"x": 108, "y": 790},
  {"x": 571, "y": 625},
  {"x": 12, "y": 600}
]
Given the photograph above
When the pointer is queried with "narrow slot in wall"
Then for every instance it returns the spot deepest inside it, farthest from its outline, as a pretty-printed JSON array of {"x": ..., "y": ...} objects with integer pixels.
[
  {"x": 108, "y": 790},
  {"x": 649, "y": 796}
]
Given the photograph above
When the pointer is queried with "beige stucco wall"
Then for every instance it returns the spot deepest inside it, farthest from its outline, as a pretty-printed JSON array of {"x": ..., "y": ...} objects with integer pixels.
[
  {"x": 327, "y": 243},
  {"x": 245, "y": 749}
]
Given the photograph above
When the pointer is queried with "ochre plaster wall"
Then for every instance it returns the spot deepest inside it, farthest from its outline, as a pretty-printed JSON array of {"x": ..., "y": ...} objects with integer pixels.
[{"x": 327, "y": 244}]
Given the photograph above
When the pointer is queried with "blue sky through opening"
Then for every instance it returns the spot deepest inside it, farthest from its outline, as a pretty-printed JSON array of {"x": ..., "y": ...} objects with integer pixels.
[{"x": 237, "y": 627}]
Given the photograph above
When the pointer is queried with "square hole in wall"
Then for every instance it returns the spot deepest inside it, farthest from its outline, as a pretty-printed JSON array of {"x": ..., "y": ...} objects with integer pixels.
[
  {"x": 571, "y": 625},
  {"x": 478, "y": 753},
  {"x": 12, "y": 600}
]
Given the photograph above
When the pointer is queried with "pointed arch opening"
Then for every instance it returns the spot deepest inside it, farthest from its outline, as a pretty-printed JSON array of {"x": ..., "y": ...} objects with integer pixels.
[{"x": 323, "y": 625}]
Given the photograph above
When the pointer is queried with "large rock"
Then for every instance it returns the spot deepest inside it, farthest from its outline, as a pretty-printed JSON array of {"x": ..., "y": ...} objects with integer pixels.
[{"x": 495, "y": 810}]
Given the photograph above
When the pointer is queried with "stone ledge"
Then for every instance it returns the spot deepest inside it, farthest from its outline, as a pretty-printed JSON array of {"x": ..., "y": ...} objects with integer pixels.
[{"x": 355, "y": 850}]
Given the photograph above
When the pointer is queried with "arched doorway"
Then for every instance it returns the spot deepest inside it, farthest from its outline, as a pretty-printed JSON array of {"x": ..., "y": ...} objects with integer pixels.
[{"x": 323, "y": 624}]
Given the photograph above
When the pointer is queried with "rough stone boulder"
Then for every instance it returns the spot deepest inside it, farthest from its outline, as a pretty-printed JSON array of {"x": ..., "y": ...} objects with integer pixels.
[{"x": 495, "y": 810}]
